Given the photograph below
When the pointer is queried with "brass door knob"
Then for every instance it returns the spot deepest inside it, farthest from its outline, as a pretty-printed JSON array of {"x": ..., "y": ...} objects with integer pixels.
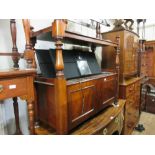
[
  {"x": 1, "y": 88},
  {"x": 105, "y": 131},
  {"x": 117, "y": 120}
]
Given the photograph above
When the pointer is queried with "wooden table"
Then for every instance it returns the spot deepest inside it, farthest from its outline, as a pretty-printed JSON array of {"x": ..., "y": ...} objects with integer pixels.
[{"x": 19, "y": 83}]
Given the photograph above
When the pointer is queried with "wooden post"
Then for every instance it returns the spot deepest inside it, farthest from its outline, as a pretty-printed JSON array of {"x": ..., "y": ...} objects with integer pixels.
[
  {"x": 140, "y": 50},
  {"x": 98, "y": 30},
  {"x": 58, "y": 31},
  {"x": 16, "y": 112},
  {"x": 36, "y": 119},
  {"x": 93, "y": 48},
  {"x": 14, "y": 48},
  {"x": 117, "y": 66},
  {"x": 15, "y": 59},
  {"x": 29, "y": 52}
]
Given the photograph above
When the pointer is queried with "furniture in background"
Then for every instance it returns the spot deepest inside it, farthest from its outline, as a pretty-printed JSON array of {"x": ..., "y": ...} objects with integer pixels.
[
  {"x": 130, "y": 91},
  {"x": 147, "y": 54},
  {"x": 63, "y": 104},
  {"x": 107, "y": 122},
  {"x": 19, "y": 83},
  {"x": 129, "y": 82},
  {"x": 128, "y": 56},
  {"x": 147, "y": 70},
  {"x": 148, "y": 96}
]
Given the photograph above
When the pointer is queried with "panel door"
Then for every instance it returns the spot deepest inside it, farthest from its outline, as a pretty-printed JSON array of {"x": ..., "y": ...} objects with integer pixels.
[
  {"x": 81, "y": 103},
  {"x": 107, "y": 91}
]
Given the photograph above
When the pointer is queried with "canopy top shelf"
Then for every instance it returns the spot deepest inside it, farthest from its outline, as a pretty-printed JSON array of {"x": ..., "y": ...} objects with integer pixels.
[{"x": 70, "y": 37}]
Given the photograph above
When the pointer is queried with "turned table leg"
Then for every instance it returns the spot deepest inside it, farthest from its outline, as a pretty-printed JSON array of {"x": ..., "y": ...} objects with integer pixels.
[
  {"x": 31, "y": 116},
  {"x": 16, "y": 112}
]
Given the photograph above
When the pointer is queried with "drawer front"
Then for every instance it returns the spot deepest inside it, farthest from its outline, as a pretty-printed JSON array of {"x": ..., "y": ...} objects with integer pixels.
[
  {"x": 114, "y": 127},
  {"x": 130, "y": 90},
  {"x": 13, "y": 87}
]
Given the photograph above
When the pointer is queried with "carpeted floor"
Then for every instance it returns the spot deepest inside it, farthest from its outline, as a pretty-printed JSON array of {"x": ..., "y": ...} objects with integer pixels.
[{"x": 148, "y": 120}]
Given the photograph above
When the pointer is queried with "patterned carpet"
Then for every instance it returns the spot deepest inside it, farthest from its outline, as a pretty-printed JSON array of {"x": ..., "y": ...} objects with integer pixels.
[{"x": 148, "y": 120}]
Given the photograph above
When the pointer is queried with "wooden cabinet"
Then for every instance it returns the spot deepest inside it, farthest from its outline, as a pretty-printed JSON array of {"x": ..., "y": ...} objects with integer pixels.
[
  {"x": 108, "y": 122},
  {"x": 130, "y": 91},
  {"x": 85, "y": 97},
  {"x": 67, "y": 103},
  {"x": 128, "y": 53}
]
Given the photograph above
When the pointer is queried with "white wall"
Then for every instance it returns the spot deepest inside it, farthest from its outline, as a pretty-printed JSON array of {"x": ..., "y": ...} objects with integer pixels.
[{"x": 149, "y": 29}]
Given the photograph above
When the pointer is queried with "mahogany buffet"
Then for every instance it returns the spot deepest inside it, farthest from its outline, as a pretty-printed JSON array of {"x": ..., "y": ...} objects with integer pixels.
[{"x": 66, "y": 99}]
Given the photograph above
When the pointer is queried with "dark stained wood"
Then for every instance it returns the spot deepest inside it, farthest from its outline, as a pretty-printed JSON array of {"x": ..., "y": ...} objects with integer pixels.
[
  {"x": 110, "y": 120},
  {"x": 117, "y": 66},
  {"x": 102, "y": 121},
  {"x": 85, "y": 97},
  {"x": 16, "y": 112}
]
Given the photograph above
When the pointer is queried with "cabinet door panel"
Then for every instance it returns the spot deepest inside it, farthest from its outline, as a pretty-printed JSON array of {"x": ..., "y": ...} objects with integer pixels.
[
  {"x": 75, "y": 104},
  {"x": 107, "y": 91},
  {"x": 81, "y": 103},
  {"x": 89, "y": 100}
]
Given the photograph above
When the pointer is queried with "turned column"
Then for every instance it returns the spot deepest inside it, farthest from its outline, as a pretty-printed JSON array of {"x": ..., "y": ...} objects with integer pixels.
[
  {"x": 98, "y": 30},
  {"x": 117, "y": 66},
  {"x": 15, "y": 59},
  {"x": 29, "y": 55},
  {"x": 14, "y": 48},
  {"x": 29, "y": 52},
  {"x": 16, "y": 112},
  {"x": 58, "y": 31}
]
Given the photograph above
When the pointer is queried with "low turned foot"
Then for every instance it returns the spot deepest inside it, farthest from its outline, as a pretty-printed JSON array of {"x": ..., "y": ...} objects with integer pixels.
[{"x": 16, "y": 112}]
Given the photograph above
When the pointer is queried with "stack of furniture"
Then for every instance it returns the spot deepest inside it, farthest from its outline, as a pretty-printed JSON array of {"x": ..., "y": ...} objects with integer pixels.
[
  {"x": 18, "y": 83},
  {"x": 129, "y": 82},
  {"x": 62, "y": 103}
]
